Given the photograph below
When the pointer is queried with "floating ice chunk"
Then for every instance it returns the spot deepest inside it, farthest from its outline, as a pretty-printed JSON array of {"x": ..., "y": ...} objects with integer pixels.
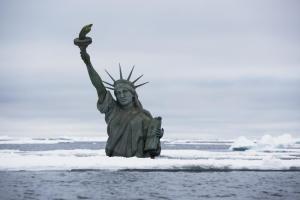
[
  {"x": 242, "y": 144},
  {"x": 269, "y": 142}
]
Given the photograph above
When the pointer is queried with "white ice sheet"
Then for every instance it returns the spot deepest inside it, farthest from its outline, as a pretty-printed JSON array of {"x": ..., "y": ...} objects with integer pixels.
[{"x": 169, "y": 160}]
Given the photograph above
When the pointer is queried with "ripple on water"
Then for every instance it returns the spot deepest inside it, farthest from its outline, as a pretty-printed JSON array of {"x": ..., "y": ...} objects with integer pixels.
[{"x": 149, "y": 185}]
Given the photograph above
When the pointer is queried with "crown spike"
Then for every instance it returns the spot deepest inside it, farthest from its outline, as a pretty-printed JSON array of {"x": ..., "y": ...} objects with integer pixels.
[
  {"x": 130, "y": 73},
  {"x": 140, "y": 85},
  {"x": 137, "y": 79},
  {"x": 110, "y": 76},
  {"x": 121, "y": 75},
  {"x": 108, "y": 83}
]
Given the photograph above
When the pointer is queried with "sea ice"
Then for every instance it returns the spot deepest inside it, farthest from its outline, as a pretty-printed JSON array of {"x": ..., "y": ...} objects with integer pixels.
[
  {"x": 169, "y": 160},
  {"x": 267, "y": 142}
]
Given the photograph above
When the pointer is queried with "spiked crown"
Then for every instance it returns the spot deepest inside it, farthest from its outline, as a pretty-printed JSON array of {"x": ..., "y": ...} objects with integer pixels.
[{"x": 127, "y": 81}]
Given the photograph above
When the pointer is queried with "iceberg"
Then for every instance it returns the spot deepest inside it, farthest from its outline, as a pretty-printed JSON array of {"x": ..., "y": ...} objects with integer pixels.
[
  {"x": 242, "y": 144},
  {"x": 266, "y": 143}
]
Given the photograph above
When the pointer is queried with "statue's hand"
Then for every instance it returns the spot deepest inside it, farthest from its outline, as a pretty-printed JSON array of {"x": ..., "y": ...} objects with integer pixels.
[{"x": 159, "y": 132}]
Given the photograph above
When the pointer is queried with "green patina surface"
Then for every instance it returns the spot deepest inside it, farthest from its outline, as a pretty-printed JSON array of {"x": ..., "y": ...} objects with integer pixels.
[{"x": 132, "y": 131}]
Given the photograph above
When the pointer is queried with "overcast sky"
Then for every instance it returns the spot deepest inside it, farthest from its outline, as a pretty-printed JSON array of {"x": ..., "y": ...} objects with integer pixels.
[{"x": 217, "y": 69}]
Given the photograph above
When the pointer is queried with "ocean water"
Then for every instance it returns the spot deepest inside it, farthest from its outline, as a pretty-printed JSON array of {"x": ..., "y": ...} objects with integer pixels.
[{"x": 77, "y": 168}]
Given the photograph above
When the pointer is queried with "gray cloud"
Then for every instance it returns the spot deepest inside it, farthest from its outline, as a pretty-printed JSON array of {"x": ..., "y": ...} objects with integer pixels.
[{"x": 216, "y": 69}]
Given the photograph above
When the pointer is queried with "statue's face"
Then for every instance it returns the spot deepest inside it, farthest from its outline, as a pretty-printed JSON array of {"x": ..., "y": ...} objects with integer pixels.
[{"x": 124, "y": 96}]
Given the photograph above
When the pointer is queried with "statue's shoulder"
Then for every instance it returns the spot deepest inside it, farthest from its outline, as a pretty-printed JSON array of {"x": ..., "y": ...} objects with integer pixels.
[
  {"x": 146, "y": 114},
  {"x": 142, "y": 115}
]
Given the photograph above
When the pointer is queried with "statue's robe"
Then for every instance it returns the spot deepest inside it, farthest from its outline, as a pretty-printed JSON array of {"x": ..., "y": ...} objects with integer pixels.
[{"x": 126, "y": 129}]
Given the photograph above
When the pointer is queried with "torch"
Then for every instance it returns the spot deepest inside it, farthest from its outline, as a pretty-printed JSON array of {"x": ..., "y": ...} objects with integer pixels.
[{"x": 83, "y": 42}]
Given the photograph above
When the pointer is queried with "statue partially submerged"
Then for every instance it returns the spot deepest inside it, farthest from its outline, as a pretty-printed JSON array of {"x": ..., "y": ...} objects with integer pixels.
[{"x": 132, "y": 131}]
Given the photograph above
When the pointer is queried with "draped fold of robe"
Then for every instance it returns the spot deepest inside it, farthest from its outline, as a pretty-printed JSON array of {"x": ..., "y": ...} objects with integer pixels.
[{"x": 126, "y": 129}]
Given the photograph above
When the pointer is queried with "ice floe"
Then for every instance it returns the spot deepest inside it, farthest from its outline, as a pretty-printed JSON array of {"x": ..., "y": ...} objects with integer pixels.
[
  {"x": 85, "y": 159},
  {"x": 50, "y": 140},
  {"x": 267, "y": 153}
]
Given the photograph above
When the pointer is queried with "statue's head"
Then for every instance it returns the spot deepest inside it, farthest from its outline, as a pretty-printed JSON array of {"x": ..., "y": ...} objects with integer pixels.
[{"x": 124, "y": 89}]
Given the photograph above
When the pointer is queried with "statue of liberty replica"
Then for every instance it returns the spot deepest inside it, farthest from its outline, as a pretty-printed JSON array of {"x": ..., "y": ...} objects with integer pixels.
[{"x": 132, "y": 131}]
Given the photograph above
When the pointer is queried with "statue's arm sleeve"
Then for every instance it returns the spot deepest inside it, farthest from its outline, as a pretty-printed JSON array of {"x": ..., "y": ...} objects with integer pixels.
[
  {"x": 107, "y": 106},
  {"x": 94, "y": 76}
]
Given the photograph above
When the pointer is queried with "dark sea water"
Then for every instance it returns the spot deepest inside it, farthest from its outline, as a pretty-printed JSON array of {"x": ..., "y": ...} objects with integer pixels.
[
  {"x": 145, "y": 184},
  {"x": 149, "y": 185}
]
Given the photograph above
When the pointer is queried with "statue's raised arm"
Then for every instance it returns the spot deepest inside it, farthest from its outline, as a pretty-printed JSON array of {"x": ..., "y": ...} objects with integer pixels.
[{"x": 82, "y": 42}]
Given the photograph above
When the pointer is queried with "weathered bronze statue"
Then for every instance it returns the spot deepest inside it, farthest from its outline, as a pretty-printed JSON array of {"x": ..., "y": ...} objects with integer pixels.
[{"x": 132, "y": 131}]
